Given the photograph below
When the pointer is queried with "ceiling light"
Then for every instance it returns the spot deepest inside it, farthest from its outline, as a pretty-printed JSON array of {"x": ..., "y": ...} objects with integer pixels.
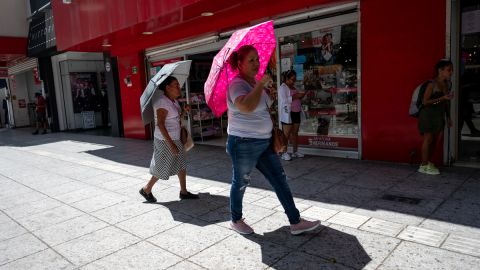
[
  {"x": 207, "y": 14},
  {"x": 67, "y": 1},
  {"x": 107, "y": 45},
  {"x": 147, "y": 33}
]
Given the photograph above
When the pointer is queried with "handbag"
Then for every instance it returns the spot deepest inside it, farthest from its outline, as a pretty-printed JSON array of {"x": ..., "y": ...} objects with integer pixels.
[
  {"x": 186, "y": 139},
  {"x": 279, "y": 141}
]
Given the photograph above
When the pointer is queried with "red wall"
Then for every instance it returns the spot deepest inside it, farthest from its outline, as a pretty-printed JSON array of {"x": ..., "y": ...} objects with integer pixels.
[
  {"x": 401, "y": 40},
  {"x": 130, "y": 96}
]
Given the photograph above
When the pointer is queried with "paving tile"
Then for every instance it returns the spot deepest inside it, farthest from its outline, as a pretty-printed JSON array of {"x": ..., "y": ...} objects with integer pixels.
[
  {"x": 465, "y": 245},
  {"x": 19, "y": 247},
  {"x": 122, "y": 183},
  {"x": 153, "y": 222},
  {"x": 399, "y": 212},
  {"x": 186, "y": 265},
  {"x": 123, "y": 211},
  {"x": 15, "y": 199},
  {"x": 4, "y": 218},
  {"x": 276, "y": 229},
  {"x": 243, "y": 252},
  {"x": 251, "y": 213},
  {"x": 70, "y": 229},
  {"x": 49, "y": 217},
  {"x": 31, "y": 208},
  {"x": 412, "y": 256},
  {"x": 319, "y": 213},
  {"x": 267, "y": 202},
  {"x": 142, "y": 255},
  {"x": 99, "y": 202},
  {"x": 431, "y": 188},
  {"x": 46, "y": 259},
  {"x": 382, "y": 227},
  {"x": 456, "y": 216},
  {"x": 196, "y": 208},
  {"x": 348, "y": 219},
  {"x": 95, "y": 245},
  {"x": 350, "y": 194},
  {"x": 10, "y": 229},
  {"x": 331, "y": 204},
  {"x": 190, "y": 238},
  {"x": 79, "y": 195},
  {"x": 63, "y": 188},
  {"x": 422, "y": 236},
  {"x": 351, "y": 247},
  {"x": 301, "y": 261}
]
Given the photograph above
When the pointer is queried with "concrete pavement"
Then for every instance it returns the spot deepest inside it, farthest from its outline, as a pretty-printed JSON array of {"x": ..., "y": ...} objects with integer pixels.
[{"x": 70, "y": 201}]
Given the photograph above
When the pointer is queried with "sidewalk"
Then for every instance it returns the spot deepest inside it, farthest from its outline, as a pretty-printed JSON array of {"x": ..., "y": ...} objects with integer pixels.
[{"x": 70, "y": 201}]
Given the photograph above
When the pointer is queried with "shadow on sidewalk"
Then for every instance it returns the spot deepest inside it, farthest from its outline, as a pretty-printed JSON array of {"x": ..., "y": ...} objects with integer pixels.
[
  {"x": 324, "y": 248},
  {"x": 388, "y": 191}
]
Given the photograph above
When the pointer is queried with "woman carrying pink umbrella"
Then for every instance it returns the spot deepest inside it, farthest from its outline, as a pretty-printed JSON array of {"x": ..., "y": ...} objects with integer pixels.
[{"x": 249, "y": 138}]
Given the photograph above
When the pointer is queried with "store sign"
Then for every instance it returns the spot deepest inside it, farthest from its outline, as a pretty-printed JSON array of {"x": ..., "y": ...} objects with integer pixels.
[
  {"x": 328, "y": 142},
  {"x": 22, "y": 103},
  {"x": 41, "y": 33},
  {"x": 471, "y": 22}
]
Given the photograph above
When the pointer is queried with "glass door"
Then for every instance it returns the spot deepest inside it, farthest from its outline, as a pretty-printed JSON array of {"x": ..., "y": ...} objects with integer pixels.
[{"x": 469, "y": 83}]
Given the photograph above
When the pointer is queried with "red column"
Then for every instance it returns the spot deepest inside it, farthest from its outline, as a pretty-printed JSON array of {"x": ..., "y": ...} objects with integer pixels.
[
  {"x": 131, "y": 67},
  {"x": 401, "y": 40}
]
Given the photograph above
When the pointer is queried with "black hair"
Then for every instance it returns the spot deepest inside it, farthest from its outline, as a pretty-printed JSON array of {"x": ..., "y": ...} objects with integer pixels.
[
  {"x": 287, "y": 75},
  {"x": 239, "y": 55},
  {"x": 167, "y": 81},
  {"x": 441, "y": 64}
]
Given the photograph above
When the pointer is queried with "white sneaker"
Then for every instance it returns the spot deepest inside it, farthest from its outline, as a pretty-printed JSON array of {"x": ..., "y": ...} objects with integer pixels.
[
  {"x": 298, "y": 154},
  {"x": 286, "y": 156},
  {"x": 426, "y": 169}
]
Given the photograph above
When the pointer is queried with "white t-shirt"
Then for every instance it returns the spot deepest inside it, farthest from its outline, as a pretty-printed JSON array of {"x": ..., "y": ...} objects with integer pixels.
[
  {"x": 172, "y": 122},
  {"x": 256, "y": 124},
  {"x": 284, "y": 104}
]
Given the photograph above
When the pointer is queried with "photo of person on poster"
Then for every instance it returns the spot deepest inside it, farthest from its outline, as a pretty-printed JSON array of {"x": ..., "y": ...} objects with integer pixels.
[{"x": 84, "y": 92}]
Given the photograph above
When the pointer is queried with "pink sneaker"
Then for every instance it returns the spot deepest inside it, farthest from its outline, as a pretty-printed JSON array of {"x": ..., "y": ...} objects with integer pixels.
[
  {"x": 304, "y": 226},
  {"x": 241, "y": 227}
]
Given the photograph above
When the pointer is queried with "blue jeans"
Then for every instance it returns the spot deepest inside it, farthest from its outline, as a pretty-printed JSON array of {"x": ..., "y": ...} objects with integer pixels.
[{"x": 248, "y": 153}]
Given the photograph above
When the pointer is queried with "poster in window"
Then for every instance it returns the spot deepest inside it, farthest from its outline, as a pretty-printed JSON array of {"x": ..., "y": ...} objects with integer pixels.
[{"x": 85, "y": 92}]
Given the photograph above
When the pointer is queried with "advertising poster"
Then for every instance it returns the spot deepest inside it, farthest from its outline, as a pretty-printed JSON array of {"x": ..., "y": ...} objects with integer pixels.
[
  {"x": 85, "y": 92},
  {"x": 325, "y": 40}
]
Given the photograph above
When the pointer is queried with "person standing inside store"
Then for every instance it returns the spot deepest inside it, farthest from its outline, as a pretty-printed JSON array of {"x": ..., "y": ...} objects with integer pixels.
[
  {"x": 41, "y": 113},
  {"x": 5, "y": 111},
  {"x": 249, "y": 142},
  {"x": 168, "y": 152},
  {"x": 436, "y": 108},
  {"x": 290, "y": 109}
]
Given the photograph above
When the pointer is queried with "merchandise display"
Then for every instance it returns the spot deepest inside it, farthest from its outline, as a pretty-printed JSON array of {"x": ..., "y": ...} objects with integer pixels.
[{"x": 325, "y": 61}]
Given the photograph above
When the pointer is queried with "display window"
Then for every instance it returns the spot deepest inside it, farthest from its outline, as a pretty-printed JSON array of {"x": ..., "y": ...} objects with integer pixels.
[{"x": 325, "y": 63}]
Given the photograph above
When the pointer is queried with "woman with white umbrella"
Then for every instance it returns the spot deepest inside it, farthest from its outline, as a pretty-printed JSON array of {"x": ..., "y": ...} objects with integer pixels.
[{"x": 168, "y": 155}]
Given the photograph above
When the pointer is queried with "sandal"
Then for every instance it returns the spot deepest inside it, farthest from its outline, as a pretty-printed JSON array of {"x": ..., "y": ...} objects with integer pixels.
[
  {"x": 149, "y": 197},
  {"x": 188, "y": 196}
]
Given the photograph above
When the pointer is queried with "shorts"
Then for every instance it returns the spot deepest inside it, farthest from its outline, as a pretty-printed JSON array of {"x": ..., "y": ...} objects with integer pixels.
[
  {"x": 41, "y": 117},
  {"x": 296, "y": 119}
]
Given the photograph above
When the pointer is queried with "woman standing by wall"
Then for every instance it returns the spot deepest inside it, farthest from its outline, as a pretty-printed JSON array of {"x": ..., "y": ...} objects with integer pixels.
[{"x": 435, "y": 109}]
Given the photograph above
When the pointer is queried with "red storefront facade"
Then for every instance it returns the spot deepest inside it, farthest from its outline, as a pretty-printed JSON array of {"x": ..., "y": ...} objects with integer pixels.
[{"x": 398, "y": 46}]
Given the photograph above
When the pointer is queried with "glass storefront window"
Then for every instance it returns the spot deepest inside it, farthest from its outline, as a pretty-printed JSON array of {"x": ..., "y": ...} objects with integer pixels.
[{"x": 325, "y": 61}]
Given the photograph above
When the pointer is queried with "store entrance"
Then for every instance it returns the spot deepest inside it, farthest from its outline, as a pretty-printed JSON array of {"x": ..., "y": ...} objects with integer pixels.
[
  {"x": 205, "y": 127},
  {"x": 469, "y": 83}
]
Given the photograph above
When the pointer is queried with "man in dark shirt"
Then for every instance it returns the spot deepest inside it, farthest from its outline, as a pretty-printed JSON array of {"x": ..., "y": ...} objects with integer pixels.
[{"x": 41, "y": 111}]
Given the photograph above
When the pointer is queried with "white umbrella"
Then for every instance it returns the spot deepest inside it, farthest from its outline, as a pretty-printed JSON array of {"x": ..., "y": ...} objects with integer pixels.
[{"x": 179, "y": 70}]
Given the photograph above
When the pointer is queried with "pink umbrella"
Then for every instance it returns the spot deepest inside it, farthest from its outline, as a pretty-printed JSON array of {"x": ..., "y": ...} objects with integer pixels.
[{"x": 262, "y": 37}]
